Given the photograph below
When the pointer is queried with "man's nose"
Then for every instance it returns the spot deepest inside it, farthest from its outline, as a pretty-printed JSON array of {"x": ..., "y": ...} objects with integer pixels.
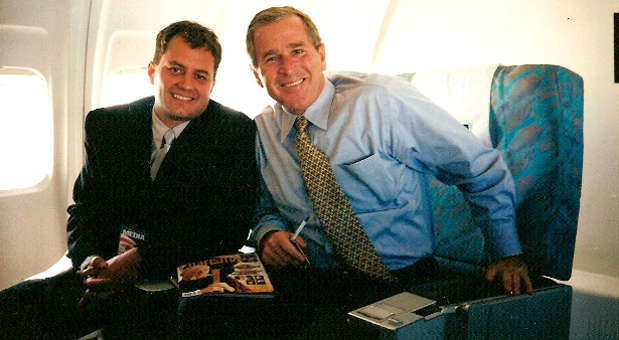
[
  {"x": 286, "y": 65},
  {"x": 186, "y": 81}
]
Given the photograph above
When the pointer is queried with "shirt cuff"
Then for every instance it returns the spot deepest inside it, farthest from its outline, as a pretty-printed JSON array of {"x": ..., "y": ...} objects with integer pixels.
[
  {"x": 266, "y": 225},
  {"x": 503, "y": 241}
]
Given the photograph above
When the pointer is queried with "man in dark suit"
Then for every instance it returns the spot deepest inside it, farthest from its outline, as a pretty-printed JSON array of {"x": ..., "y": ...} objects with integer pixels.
[{"x": 167, "y": 180}]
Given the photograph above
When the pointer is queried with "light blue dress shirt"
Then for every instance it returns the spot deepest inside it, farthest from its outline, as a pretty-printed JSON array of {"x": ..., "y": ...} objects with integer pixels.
[{"x": 384, "y": 141}]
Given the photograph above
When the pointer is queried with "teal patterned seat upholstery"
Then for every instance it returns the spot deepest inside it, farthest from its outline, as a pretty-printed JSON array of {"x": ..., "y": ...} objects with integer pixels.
[{"x": 535, "y": 121}]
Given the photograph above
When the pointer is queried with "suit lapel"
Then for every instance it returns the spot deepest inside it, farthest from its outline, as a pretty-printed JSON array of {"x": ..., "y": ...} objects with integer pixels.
[
  {"x": 140, "y": 116},
  {"x": 187, "y": 146}
]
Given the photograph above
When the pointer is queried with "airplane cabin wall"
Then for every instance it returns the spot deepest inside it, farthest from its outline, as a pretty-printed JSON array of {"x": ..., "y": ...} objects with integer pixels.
[
  {"x": 88, "y": 40},
  {"x": 43, "y": 36}
]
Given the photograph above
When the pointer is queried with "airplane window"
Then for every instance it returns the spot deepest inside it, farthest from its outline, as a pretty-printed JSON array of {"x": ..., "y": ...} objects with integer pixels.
[
  {"x": 125, "y": 85},
  {"x": 27, "y": 133},
  {"x": 27, "y": 128}
]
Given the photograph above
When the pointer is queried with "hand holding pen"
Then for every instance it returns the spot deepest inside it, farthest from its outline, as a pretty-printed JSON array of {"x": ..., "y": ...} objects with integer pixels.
[
  {"x": 280, "y": 249},
  {"x": 294, "y": 242}
]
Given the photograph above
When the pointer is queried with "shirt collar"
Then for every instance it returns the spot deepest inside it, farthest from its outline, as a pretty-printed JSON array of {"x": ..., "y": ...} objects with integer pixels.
[
  {"x": 159, "y": 129},
  {"x": 317, "y": 113}
]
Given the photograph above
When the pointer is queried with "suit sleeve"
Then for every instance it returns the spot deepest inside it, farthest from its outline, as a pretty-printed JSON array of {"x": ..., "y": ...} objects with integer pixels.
[{"x": 87, "y": 230}]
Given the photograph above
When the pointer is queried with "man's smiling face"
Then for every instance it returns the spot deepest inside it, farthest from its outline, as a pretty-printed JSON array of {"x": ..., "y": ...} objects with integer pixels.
[
  {"x": 183, "y": 79},
  {"x": 288, "y": 64}
]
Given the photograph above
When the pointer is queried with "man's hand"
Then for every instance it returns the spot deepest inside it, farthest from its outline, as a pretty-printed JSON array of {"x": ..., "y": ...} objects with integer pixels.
[
  {"x": 217, "y": 287},
  {"x": 511, "y": 270},
  {"x": 279, "y": 252},
  {"x": 105, "y": 278},
  {"x": 91, "y": 266}
]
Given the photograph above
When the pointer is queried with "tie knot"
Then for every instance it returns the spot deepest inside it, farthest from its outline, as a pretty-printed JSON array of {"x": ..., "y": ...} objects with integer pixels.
[
  {"x": 301, "y": 124},
  {"x": 168, "y": 137}
]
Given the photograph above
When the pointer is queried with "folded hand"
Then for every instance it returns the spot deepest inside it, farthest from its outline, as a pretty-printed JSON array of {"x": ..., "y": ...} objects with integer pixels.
[{"x": 105, "y": 278}]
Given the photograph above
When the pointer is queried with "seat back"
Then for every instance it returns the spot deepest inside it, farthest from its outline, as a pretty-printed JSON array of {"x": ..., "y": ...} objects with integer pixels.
[
  {"x": 535, "y": 121},
  {"x": 533, "y": 114}
]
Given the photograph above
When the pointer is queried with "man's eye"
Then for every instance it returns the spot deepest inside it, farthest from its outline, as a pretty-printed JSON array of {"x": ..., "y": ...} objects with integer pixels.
[
  {"x": 200, "y": 76},
  {"x": 269, "y": 59},
  {"x": 175, "y": 69},
  {"x": 298, "y": 51}
]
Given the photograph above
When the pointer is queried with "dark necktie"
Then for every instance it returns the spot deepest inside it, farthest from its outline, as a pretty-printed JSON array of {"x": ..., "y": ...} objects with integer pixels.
[
  {"x": 336, "y": 216},
  {"x": 166, "y": 143}
]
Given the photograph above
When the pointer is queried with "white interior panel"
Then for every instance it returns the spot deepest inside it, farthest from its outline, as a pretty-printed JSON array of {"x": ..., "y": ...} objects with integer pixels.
[{"x": 75, "y": 44}]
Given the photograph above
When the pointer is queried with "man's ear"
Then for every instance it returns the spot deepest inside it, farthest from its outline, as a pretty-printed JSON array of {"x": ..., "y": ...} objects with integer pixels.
[
  {"x": 212, "y": 86},
  {"x": 151, "y": 72},
  {"x": 323, "y": 59},
  {"x": 257, "y": 77}
]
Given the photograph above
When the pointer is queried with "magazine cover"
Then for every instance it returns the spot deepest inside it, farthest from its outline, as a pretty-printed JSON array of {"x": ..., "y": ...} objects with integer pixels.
[
  {"x": 235, "y": 274},
  {"x": 130, "y": 237}
]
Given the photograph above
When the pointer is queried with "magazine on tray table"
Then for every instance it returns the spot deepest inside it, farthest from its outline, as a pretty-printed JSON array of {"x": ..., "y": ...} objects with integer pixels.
[{"x": 230, "y": 275}]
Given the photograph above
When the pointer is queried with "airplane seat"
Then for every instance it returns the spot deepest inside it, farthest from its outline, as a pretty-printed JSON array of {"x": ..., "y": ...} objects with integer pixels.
[
  {"x": 62, "y": 265},
  {"x": 535, "y": 120},
  {"x": 532, "y": 114}
]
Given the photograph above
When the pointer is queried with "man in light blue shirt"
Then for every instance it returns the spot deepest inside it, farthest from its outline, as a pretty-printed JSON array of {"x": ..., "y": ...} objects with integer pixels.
[{"x": 384, "y": 141}]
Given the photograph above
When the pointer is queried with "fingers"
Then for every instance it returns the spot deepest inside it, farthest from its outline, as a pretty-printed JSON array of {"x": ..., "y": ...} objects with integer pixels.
[
  {"x": 86, "y": 297},
  {"x": 89, "y": 271},
  {"x": 279, "y": 252},
  {"x": 98, "y": 284},
  {"x": 96, "y": 288},
  {"x": 218, "y": 287},
  {"x": 301, "y": 242},
  {"x": 105, "y": 278},
  {"x": 298, "y": 257},
  {"x": 528, "y": 283},
  {"x": 95, "y": 265},
  {"x": 491, "y": 273},
  {"x": 508, "y": 282},
  {"x": 277, "y": 255},
  {"x": 99, "y": 262},
  {"x": 513, "y": 272},
  {"x": 513, "y": 283}
]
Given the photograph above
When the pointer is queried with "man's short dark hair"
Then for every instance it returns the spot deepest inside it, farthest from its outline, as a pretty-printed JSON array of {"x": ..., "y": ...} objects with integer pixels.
[{"x": 196, "y": 35}]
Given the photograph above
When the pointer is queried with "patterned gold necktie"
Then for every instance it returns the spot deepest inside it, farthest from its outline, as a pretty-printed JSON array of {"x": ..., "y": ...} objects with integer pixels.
[{"x": 331, "y": 206}]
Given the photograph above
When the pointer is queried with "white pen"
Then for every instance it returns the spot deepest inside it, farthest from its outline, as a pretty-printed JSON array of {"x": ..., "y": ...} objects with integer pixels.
[
  {"x": 298, "y": 231},
  {"x": 294, "y": 237}
]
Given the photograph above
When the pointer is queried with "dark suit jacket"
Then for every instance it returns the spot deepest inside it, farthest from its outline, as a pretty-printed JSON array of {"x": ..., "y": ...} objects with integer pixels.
[{"x": 200, "y": 204}]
